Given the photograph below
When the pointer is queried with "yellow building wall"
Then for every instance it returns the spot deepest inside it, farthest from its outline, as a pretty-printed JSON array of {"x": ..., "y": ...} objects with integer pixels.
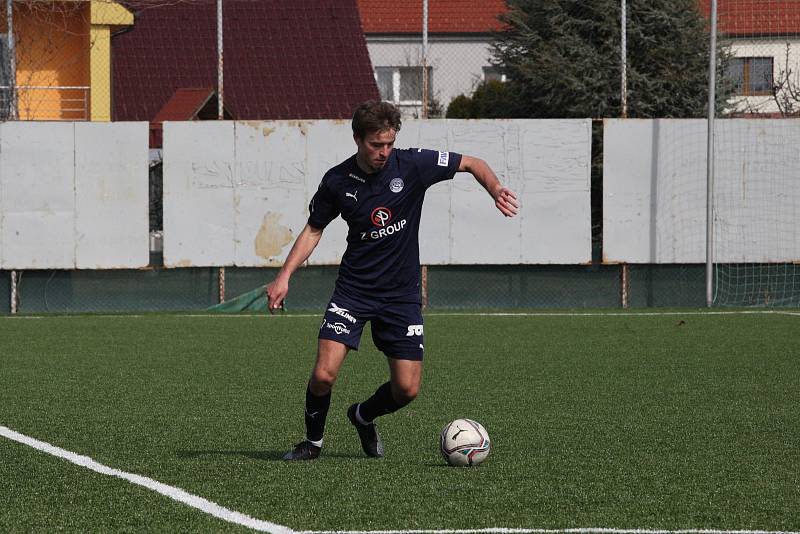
[
  {"x": 63, "y": 54},
  {"x": 105, "y": 15},
  {"x": 52, "y": 52}
]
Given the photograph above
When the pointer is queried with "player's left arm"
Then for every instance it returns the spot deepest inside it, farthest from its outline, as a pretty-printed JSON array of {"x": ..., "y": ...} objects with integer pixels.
[{"x": 504, "y": 198}]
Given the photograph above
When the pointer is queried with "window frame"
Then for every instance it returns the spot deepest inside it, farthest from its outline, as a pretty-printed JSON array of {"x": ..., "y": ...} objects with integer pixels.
[
  {"x": 397, "y": 83},
  {"x": 747, "y": 63}
]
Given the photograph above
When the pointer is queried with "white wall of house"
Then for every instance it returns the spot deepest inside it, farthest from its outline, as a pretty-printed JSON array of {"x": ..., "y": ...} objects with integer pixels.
[
  {"x": 456, "y": 64},
  {"x": 783, "y": 60}
]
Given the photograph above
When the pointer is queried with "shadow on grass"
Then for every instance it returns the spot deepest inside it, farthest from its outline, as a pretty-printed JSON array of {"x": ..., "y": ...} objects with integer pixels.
[{"x": 269, "y": 456}]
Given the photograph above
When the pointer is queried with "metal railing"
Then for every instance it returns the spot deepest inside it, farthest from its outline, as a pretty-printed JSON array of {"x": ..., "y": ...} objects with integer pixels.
[{"x": 37, "y": 102}]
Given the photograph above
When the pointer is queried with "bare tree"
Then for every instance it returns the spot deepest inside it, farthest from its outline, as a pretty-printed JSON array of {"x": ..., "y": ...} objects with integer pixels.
[{"x": 786, "y": 88}]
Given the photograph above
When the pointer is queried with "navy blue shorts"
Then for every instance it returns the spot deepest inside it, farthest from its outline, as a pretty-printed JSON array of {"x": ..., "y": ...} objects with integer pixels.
[{"x": 396, "y": 325}]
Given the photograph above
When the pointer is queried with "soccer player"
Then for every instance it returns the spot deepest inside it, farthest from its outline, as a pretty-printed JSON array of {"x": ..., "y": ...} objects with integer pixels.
[{"x": 379, "y": 193}]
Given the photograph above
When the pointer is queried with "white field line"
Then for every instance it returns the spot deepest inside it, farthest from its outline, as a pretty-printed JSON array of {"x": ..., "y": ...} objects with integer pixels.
[
  {"x": 260, "y": 525},
  {"x": 172, "y": 492},
  {"x": 429, "y": 314}
]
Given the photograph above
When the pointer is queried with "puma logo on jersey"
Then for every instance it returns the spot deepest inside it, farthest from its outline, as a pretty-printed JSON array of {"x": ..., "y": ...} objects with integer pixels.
[{"x": 354, "y": 195}]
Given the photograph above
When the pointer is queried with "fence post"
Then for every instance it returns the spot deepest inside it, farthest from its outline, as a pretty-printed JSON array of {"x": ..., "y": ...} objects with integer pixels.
[
  {"x": 13, "y": 300},
  {"x": 221, "y": 281},
  {"x": 712, "y": 88},
  {"x": 424, "y": 287},
  {"x": 624, "y": 282},
  {"x": 12, "y": 60}
]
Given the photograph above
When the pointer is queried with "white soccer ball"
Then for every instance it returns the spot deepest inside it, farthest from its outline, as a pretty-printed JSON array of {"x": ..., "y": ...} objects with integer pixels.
[{"x": 464, "y": 442}]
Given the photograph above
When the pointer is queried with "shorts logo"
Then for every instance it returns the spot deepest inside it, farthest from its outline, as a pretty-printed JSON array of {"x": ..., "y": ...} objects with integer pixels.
[
  {"x": 396, "y": 185},
  {"x": 339, "y": 328},
  {"x": 341, "y": 312},
  {"x": 381, "y": 216},
  {"x": 414, "y": 330},
  {"x": 444, "y": 158}
]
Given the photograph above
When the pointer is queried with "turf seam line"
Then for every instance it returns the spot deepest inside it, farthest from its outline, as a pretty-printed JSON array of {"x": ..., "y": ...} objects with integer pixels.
[{"x": 172, "y": 492}]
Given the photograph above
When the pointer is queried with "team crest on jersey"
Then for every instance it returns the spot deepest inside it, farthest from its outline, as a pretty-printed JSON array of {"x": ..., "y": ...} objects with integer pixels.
[{"x": 396, "y": 185}]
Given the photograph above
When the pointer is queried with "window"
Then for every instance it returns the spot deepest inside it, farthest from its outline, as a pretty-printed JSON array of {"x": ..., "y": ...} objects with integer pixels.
[
  {"x": 751, "y": 76},
  {"x": 403, "y": 85},
  {"x": 494, "y": 73}
]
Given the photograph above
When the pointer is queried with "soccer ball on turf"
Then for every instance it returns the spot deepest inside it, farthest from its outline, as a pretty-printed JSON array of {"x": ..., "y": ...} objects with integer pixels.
[{"x": 464, "y": 442}]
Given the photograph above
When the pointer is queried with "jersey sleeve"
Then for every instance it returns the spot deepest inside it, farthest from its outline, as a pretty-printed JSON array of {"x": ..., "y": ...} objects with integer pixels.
[
  {"x": 435, "y": 166},
  {"x": 323, "y": 207}
]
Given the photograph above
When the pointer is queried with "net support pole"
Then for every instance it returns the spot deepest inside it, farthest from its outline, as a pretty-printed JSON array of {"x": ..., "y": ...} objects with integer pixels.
[
  {"x": 425, "y": 95},
  {"x": 220, "y": 115},
  {"x": 13, "y": 299},
  {"x": 623, "y": 92},
  {"x": 712, "y": 89},
  {"x": 12, "y": 60},
  {"x": 220, "y": 85}
]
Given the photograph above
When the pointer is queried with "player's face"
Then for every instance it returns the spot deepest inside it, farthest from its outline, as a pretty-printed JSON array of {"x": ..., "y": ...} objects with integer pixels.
[{"x": 374, "y": 149}]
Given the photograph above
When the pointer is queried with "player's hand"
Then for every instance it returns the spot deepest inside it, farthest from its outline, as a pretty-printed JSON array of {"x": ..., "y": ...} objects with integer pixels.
[
  {"x": 506, "y": 201},
  {"x": 276, "y": 293}
]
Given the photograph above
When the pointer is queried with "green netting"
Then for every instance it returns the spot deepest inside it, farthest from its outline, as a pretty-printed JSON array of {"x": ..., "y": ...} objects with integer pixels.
[
  {"x": 309, "y": 289},
  {"x": 449, "y": 287},
  {"x": 253, "y": 301},
  {"x": 5, "y": 291},
  {"x": 117, "y": 291},
  {"x": 523, "y": 286},
  {"x": 667, "y": 286}
]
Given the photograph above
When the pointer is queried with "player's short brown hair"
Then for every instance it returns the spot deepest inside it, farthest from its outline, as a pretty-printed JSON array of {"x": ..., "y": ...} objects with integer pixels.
[{"x": 375, "y": 116}]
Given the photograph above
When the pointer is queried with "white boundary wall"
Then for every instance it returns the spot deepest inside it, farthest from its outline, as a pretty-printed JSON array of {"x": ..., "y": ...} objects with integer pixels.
[
  {"x": 73, "y": 195},
  {"x": 237, "y": 193},
  {"x": 654, "y": 191}
]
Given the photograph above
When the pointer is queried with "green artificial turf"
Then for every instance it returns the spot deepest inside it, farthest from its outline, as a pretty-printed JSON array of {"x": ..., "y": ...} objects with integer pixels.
[{"x": 668, "y": 422}]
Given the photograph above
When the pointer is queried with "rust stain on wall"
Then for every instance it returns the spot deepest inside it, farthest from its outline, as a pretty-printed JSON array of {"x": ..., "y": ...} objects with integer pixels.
[{"x": 272, "y": 236}]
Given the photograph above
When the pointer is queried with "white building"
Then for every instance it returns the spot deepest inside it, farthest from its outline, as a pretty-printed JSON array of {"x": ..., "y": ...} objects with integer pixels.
[
  {"x": 764, "y": 38},
  {"x": 458, "y": 58}
]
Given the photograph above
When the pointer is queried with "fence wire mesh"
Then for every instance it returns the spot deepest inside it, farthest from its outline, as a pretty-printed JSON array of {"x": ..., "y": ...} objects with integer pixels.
[{"x": 449, "y": 58}]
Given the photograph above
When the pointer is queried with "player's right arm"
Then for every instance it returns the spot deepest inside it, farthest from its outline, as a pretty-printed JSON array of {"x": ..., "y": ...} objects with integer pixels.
[{"x": 303, "y": 246}]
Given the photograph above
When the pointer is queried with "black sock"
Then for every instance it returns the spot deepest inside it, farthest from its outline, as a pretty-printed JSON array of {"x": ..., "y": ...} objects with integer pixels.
[
  {"x": 316, "y": 413},
  {"x": 382, "y": 402}
]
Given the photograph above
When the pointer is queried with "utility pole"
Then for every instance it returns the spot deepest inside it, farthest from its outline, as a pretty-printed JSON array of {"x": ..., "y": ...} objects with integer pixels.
[
  {"x": 12, "y": 61},
  {"x": 220, "y": 115},
  {"x": 425, "y": 94}
]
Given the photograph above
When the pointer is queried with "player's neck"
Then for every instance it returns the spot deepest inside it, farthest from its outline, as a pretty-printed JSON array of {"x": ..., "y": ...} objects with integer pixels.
[{"x": 365, "y": 167}]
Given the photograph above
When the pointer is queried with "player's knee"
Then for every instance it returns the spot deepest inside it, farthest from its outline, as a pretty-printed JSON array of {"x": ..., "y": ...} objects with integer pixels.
[
  {"x": 405, "y": 393},
  {"x": 322, "y": 381}
]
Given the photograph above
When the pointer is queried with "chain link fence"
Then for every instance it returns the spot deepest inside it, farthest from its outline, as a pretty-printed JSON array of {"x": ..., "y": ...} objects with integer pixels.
[{"x": 432, "y": 59}]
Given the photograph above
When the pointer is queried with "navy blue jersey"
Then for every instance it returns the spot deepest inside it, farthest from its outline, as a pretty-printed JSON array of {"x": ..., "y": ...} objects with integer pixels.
[{"x": 382, "y": 212}]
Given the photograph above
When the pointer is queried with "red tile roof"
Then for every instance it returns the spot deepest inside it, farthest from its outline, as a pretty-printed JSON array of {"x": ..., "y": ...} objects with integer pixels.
[
  {"x": 444, "y": 16},
  {"x": 184, "y": 105},
  {"x": 755, "y": 17},
  {"x": 305, "y": 59}
]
